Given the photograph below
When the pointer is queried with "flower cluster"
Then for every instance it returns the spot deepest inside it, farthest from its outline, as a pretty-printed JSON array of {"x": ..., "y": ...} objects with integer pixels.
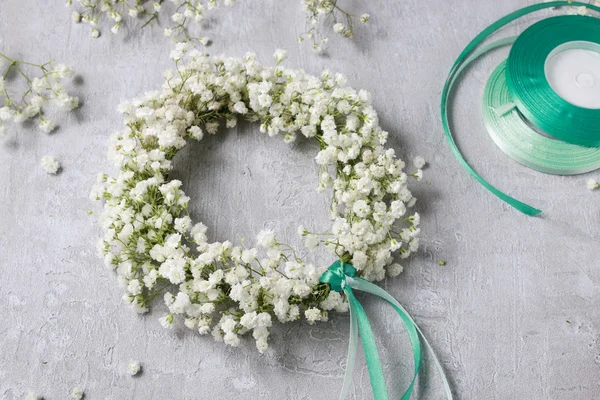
[
  {"x": 181, "y": 13},
  {"x": 317, "y": 11},
  {"x": 39, "y": 92},
  {"x": 220, "y": 287},
  {"x": 592, "y": 184}
]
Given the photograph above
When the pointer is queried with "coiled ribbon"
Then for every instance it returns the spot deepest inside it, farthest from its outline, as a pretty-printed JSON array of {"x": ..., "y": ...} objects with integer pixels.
[
  {"x": 467, "y": 56},
  {"x": 342, "y": 278},
  {"x": 530, "y": 90},
  {"x": 525, "y": 145}
]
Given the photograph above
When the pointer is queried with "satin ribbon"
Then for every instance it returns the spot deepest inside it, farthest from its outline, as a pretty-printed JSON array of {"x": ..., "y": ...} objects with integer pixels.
[
  {"x": 341, "y": 277},
  {"x": 460, "y": 64},
  {"x": 515, "y": 137},
  {"x": 524, "y": 144},
  {"x": 530, "y": 90}
]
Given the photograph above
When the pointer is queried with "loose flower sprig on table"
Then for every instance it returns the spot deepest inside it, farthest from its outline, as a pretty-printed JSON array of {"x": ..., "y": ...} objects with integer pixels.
[
  {"x": 43, "y": 86},
  {"x": 226, "y": 289},
  {"x": 318, "y": 11},
  {"x": 182, "y": 14}
]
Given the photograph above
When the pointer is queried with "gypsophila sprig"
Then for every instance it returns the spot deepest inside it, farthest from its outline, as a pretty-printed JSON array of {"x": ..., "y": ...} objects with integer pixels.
[
  {"x": 227, "y": 289},
  {"x": 318, "y": 12},
  {"x": 42, "y": 86},
  {"x": 178, "y": 15}
]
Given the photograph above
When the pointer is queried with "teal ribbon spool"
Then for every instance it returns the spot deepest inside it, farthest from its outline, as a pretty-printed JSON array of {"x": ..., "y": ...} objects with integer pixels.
[
  {"x": 530, "y": 90},
  {"x": 525, "y": 145},
  {"x": 341, "y": 277},
  {"x": 473, "y": 50}
]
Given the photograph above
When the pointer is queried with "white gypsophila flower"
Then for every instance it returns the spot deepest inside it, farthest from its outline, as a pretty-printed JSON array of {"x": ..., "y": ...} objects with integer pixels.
[
  {"x": 394, "y": 270},
  {"x": 339, "y": 27},
  {"x": 364, "y": 18},
  {"x": 313, "y": 315},
  {"x": 166, "y": 321},
  {"x": 419, "y": 162},
  {"x": 266, "y": 239},
  {"x": 32, "y": 396},
  {"x": 280, "y": 55},
  {"x": 221, "y": 288},
  {"x": 134, "y": 367},
  {"x": 183, "y": 224},
  {"x": 311, "y": 241},
  {"x": 177, "y": 17},
  {"x": 50, "y": 164},
  {"x": 592, "y": 184},
  {"x": 76, "y": 393},
  {"x": 196, "y": 132},
  {"x": 418, "y": 175},
  {"x": 47, "y": 125}
]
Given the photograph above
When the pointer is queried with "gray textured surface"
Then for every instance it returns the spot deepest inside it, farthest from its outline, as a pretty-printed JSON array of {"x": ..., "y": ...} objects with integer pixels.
[{"x": 514, "y": 315}]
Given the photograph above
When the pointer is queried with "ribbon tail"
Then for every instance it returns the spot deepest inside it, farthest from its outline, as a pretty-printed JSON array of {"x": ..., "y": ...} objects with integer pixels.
[
  {"x": 369, "y": 347},
  {"x": 352, "y": 347},
  {"x": 412, "y": 327},
  {"x": 454, "y": 74}
]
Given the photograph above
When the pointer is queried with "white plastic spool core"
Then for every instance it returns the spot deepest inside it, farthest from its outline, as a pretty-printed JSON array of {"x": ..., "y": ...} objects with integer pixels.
[{"x": 573, "y": 72}]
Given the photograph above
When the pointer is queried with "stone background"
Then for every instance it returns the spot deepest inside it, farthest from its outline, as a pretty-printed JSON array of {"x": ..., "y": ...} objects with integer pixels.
[{"x": 515, "y": 314}]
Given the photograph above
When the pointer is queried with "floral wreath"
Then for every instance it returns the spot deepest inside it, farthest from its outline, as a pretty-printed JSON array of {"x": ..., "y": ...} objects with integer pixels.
[{"x": 226, "y": 289}]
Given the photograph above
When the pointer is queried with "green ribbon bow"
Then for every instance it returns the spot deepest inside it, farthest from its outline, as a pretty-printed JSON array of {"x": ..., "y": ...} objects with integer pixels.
[{"x": 342, "y": 277}]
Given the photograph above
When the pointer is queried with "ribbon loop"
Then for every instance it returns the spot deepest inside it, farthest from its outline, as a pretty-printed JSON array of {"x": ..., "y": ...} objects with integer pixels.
[{"x": 342, "y": 278}]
